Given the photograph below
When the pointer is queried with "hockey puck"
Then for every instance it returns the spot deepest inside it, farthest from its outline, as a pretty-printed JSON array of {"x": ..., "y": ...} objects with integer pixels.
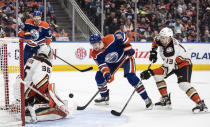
[{"x": 71, "y": 95}]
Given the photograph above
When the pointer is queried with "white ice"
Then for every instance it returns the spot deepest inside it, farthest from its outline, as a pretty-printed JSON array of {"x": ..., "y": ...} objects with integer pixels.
[{"x": 83, "y": 86}]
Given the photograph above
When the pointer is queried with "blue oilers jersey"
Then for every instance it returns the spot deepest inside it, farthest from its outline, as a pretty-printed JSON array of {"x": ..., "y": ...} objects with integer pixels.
[
  {"x": 113, "y": 52},
  {"x": 39, "y": 33}
]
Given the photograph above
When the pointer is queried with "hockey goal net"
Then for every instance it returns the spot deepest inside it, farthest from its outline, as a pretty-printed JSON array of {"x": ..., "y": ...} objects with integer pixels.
[{"x": 12, "y": 111}]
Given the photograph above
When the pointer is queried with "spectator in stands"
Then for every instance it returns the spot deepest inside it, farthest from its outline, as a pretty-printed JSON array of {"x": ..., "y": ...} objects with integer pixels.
[
  {"x": 148, "y": 34},
  {"x": 8, "y": 9},
  {"x": 10, "y": 31},
  {"x": 192, "y": 36},
  {"x": 62, "y": 33},
  {"x": 115, "y": 25},
  {"x": 128, "y": 28},
  {"x": 177, "y": 26},
  {"x": 206, "y": 37},
  {"x": 108, "y": 21}
]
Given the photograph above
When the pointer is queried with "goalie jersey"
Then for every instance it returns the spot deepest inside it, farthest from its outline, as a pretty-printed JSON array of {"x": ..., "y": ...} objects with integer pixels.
[
  {"x": 37, "y": 73},
  {"x": 174, "y": 55},
  {"x": 40, "y": 33},
  {"x": 113, "y": 52}
]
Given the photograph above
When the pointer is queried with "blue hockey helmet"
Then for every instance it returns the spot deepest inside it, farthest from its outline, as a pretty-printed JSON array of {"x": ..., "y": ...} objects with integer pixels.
[
  {"x": 95, "y": 38},
  {"x": 37, "y": 13}
]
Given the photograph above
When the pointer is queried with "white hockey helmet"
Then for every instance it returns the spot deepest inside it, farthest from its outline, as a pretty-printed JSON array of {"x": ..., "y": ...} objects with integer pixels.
[
  {"x": 46, "y": 50},
  {"x": 166, "y": 32}
]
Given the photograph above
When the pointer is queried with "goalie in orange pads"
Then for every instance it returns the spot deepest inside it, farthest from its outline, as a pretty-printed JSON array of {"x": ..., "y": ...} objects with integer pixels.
[{"x": 45, "y": 104}]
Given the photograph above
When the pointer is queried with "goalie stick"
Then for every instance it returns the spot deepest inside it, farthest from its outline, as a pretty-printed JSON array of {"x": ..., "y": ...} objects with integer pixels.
[
  {"x": 113, "y": 112},
  {"x": 83, "y": 107},
  {"x": 84, "y": 70}
]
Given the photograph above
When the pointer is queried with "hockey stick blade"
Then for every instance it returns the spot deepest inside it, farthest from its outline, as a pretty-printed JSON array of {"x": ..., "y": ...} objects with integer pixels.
[
  {"x": 116, "y": 113},
  {"x": 84, "y": 70},
  {"x": 88, "y": 69},
  {"x": 81, "y": 107}
]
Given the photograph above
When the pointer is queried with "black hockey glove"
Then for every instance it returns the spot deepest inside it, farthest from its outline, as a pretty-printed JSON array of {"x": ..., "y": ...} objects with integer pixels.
[
  {"x": 153, "y": 56},
  {"x": 146, "y": 74},
  {"x": 108, "y": 77},
  {"x": 130, "y": 52}
]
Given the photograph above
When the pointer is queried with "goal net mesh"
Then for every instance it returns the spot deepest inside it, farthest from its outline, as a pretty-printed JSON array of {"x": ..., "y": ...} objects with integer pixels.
[{"x": 11, "y": 92}]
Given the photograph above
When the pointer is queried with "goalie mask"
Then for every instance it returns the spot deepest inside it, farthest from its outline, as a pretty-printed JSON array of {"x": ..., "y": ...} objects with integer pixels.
[
  {"x": 46, "y": 51},
  {"x": 165, "y": 36}
]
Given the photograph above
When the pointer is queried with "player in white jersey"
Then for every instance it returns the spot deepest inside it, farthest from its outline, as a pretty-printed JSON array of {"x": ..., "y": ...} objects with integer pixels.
[
  {"x": 175, "y": 60},
  {"x": 44, "y": 104}
]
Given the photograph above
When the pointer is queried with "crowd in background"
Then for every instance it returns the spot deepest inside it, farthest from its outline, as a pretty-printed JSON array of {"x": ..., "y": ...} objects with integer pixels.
[
  {"x": 152, "y": 15},
  {"x": 25, "y": 11}
]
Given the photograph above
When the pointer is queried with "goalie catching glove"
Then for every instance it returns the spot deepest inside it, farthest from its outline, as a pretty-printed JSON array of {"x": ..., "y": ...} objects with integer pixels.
[{"x": 146, "y": 74}]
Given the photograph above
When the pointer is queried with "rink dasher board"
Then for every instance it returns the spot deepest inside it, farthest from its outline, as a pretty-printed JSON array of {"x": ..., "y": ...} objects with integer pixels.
[{"x": 79, "y": 54}]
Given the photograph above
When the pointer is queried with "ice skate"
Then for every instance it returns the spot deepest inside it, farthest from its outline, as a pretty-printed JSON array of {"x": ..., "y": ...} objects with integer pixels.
[
  {"x": 148, "y": 103},
  {"x": 102, "y": 101},
  {"x": 165, "y": 103},
  {"x": 200, "y": 107}
]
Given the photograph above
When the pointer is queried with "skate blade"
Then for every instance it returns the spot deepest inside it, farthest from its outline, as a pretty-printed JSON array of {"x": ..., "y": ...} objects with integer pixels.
[
  {"x": 150, "y": 107},
  {"x": 197, "y": 111},
  {"x": 102, "y": 103},
  {"x": 168, "y": 107}
]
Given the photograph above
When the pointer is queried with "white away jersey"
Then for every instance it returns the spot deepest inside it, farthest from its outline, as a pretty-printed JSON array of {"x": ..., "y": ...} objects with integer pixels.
[
  {"x": 174, "y": 55},
  {"x": 37, "y": 70}
]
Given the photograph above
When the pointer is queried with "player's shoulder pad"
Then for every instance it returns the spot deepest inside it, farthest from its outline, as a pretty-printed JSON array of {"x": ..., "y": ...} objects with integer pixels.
[
  {"x": 42, "y": 59},
  {"x": 95, "y": 53},
  {"x": 44, "y": 24},
  {"x": 108, "y": 39},
  {"x": 29, "y": 21}
]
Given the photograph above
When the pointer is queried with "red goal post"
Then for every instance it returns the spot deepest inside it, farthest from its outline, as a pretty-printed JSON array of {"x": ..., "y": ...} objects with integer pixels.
[{"x": 12, "y": 102}]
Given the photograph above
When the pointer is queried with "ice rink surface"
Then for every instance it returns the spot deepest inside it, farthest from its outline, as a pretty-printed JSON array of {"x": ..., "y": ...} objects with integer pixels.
[{"x": 83, "y": 86}]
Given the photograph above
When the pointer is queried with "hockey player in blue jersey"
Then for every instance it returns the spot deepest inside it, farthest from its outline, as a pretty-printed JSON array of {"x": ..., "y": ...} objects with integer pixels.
[
  {"x": 35, "y": 33},
  {"x": 108, "y": 52}
]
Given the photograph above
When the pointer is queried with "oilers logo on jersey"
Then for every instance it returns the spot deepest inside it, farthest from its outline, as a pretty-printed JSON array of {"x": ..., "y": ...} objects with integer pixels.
[
  {"x": 34, "y": 34},
  {"x": 111, "y": 57}
]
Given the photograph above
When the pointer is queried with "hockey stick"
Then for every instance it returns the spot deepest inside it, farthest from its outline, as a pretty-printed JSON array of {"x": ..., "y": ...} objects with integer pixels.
[
  {"x": 84, "y": 70},
  {"x": 35, "y": 90},
  {"x": 113, "y": 112},
  {"x": 83, "y": 107}
]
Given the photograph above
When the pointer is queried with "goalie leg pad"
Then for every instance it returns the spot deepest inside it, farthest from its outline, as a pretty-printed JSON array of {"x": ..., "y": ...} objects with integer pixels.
[
  {"x": 46, "y": 113},
  {"x": 56, "y": 102}
]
